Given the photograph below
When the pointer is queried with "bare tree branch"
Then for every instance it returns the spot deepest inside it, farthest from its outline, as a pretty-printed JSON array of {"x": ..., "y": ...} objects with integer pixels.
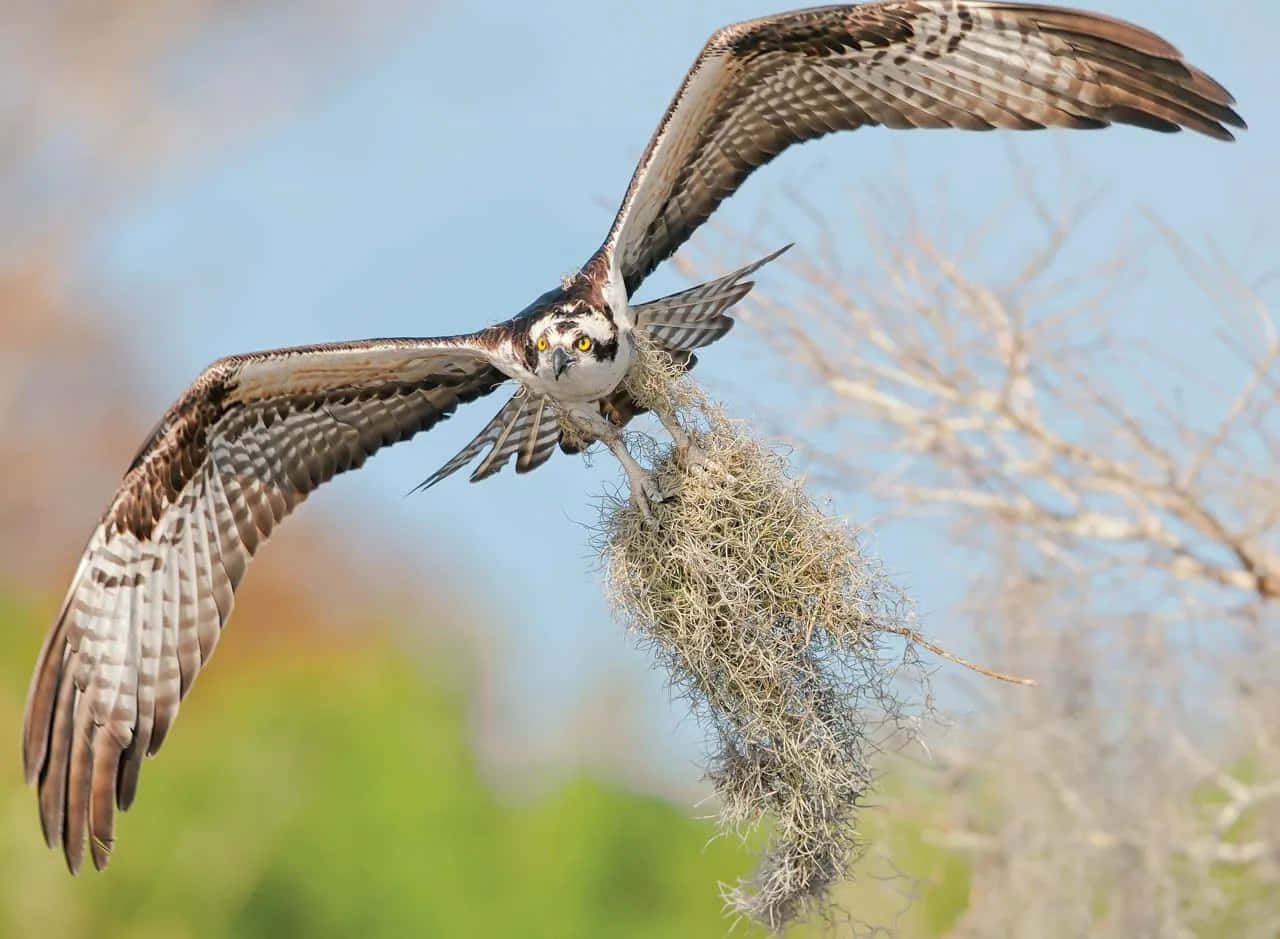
[{"x": 1116, "y": 509}]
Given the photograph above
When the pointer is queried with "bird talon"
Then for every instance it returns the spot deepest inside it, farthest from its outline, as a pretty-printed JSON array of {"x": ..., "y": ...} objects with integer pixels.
[
  {"x": 641, "y": 501},
  {"x": 654, "y": 490},
  {"x": 647, "y": 490}
]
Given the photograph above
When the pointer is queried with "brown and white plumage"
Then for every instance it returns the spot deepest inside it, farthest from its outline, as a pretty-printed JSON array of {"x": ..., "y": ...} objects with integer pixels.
[
  {"x": 760, "y": 86},
  {"x": 255, "y": 434},
  {"x": 239, "y": 450},
  {"x": 527, "y": 428},
  {"x": 696, "y": 317}
]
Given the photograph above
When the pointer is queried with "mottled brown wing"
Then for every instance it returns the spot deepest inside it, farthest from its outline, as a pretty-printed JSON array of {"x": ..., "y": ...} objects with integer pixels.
[
  {"x": 239, "y": 450},
  {"x": 760, "y": 86}
]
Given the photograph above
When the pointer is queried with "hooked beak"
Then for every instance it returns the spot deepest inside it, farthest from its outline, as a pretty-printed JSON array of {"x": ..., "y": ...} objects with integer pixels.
[{"x": 560, "y": 360}]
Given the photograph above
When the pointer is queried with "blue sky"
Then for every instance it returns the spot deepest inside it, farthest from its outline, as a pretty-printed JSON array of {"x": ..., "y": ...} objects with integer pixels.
[{"x": 450, "y": 180}]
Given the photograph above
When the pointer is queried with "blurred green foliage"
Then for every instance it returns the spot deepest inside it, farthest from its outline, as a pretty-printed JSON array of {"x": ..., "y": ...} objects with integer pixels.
[
  {"x": 326, "y": 787},
  {"x": 334, "y": 793}
]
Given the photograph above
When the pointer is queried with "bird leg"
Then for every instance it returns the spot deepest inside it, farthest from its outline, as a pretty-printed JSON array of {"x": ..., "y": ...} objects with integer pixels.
[
  {"x": 645, "y": 490},
  {"x": 688, "y": 453}
]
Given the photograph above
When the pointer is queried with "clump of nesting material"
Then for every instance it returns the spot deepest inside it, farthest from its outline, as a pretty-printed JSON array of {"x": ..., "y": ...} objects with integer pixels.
[{"x": 770, "y": 619}]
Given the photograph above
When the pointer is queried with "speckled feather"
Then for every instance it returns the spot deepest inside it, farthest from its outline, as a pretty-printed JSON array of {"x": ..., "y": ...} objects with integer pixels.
[
  {"x": 760, "y": 86},
  {"x": 246, "y": 443}
]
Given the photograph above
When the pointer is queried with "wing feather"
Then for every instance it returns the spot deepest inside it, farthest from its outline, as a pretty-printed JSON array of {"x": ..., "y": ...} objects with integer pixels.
[
  {"x": 542, "y": 439},
  {"x": 53, "y": 779},
  {"x": 530, "y": 444},
  {"x": 525, "y": 428},
  {"x": 197, "y": 595},
  {"x": 156, "y": 583},
  {"x": 760, "y": 86},
  {"x": 76, "y": 819},
  {"x": 179, "y": 621},
  {"x": 509, "y": 437},
  {"x": 150, "y": 648},
  {"x": 696, "y": 317}
]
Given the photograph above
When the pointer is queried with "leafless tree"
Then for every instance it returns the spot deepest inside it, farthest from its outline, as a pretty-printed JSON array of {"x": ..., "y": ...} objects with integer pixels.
[{"x": 1116, "y": 512}]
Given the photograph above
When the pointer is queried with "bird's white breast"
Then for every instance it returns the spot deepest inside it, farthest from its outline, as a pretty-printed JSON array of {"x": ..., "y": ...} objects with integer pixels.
[{"x": 591, "y": 379}]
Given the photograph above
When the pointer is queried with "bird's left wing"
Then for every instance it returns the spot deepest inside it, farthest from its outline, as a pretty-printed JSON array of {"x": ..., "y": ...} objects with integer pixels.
[
  {"x": 758, "y": 87},
  {"x": 246, "y": 443}
]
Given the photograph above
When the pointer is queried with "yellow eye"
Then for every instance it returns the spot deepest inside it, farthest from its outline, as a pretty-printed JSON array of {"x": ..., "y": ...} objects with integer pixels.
[
  {"x": 542, "y": 343},
  {"x": 583, "y": 344}
]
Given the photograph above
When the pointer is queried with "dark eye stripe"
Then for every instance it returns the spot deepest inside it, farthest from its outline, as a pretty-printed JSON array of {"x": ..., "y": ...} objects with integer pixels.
[{"x": 605, "y": 351}]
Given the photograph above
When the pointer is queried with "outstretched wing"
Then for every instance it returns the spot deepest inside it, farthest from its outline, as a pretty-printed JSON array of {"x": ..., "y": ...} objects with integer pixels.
[
  {"x": 760, "y": 86},
  {"x": 239, "y": 450}
]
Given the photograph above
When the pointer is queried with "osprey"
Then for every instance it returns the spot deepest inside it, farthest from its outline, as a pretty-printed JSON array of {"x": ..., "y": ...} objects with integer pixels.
[{"x": 254, "y": 434}]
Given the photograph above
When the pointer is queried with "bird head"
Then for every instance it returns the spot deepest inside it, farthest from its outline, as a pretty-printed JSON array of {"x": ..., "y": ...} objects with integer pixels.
[{"x": 571, "y": 342}]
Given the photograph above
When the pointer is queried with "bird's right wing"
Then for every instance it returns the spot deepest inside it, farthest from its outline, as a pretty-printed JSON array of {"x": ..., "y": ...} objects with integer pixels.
[{"x": 246, "y": 443}]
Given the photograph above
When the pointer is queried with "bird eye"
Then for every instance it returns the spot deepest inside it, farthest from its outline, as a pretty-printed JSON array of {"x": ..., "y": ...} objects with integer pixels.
[
  {"x": 542, "y": 343},
  {"x": 584, "y": 344}
]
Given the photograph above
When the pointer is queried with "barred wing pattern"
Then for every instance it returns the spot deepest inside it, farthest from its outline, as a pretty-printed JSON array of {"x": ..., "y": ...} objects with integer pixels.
[
  {"x": 760, "y": 86},
  {"x": 527, "y": 428},
  {"x": 239, "y": 450},
  {"x": 696, "y": 317}
]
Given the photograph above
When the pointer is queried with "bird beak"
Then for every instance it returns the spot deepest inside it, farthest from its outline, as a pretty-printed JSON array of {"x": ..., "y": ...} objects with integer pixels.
[{"x": 560, "y": 360}]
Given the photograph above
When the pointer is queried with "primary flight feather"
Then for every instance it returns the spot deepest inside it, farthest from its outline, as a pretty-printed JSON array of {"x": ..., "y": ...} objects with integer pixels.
[{"x": 254, "y": 434}]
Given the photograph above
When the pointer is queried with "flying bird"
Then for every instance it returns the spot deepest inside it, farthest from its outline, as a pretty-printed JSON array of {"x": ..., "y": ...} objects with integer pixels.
[{"x": 254, "y": 434}]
